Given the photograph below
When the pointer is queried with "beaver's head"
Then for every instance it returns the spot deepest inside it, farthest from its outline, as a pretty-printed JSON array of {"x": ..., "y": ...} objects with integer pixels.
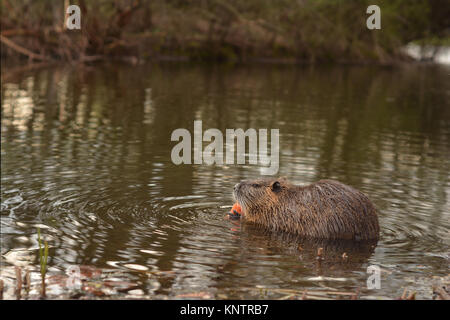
[{"x": 260, "y": 197}]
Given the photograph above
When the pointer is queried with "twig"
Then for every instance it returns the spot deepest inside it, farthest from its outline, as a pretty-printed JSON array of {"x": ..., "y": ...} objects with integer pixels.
[
  {"x": 319, "y": 254},
  {"x": 19, "y": 283},
  {"x": 14, "y": 46},
  {"x": 319, "y": 260},
  {"x": 355, "y": 296},
  {"x": 27, "y": 280},
  {"x": 311, "y": 297},
  {"x": 306, "y": 293},
  {"x": 287, "y": 297},
  {"x": 406, "y": 296},
  {"x": 442, "y": 294},
  {"x": 412, "y": 296},
  {"x": 19, "y": 32},
  {"x": 403, "y": 297}
]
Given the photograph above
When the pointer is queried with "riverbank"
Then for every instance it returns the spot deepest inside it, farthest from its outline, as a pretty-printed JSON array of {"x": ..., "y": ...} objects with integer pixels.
[{"x": 233, "y": 31}]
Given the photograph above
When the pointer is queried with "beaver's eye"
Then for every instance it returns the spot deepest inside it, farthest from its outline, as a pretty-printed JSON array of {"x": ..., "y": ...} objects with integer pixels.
[
  {"x": 276, "y": 186},
  {"x": 254, "y": 185}
]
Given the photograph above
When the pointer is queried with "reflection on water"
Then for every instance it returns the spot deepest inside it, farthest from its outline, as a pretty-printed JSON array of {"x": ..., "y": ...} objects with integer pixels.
[{"x": 86, "y": 154}]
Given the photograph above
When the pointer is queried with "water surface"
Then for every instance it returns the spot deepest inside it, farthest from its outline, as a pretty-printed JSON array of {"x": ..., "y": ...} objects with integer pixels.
[{"x": 86, "y": 155}]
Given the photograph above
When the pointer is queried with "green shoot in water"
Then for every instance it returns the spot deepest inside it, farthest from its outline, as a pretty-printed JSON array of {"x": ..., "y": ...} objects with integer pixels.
[{"x": 43, "y": 255}]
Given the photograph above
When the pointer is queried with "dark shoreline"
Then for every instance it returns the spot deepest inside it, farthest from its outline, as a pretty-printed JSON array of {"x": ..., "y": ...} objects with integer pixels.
[{"x": 288, "y": 32}]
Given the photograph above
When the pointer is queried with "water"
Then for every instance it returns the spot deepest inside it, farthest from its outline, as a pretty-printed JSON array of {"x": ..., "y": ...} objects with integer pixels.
[{"x": 86, "y": 155}]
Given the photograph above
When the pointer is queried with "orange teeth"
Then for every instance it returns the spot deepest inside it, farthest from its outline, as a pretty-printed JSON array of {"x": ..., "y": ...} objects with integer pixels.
[
  {"x": 236, "y": 209},
  {"x": 235, "y": 212}
]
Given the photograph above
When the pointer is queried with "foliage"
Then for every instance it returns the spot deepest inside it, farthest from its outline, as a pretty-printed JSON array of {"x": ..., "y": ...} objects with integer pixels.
[{"x": 303, "y": 30}]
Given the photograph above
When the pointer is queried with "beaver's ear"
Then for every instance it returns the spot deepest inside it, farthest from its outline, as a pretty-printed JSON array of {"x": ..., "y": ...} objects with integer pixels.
[{"x": 275, "y": 186}]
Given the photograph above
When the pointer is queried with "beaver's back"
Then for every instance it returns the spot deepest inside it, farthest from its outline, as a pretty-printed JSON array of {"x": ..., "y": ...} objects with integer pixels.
[{"x": 331, "y": 209}]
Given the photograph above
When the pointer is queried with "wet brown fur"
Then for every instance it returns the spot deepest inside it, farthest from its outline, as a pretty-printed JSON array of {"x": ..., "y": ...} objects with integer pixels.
[{"x": 326, "y": 209}]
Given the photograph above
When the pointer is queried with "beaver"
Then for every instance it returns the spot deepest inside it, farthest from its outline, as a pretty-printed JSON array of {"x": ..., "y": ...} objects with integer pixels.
[{"x": 327, "y": 209}]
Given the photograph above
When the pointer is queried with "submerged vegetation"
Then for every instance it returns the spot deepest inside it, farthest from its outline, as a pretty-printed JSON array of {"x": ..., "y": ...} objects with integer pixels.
[
  {"x": 234, "y": 30},
  {"x": 98, "y": 283}
]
